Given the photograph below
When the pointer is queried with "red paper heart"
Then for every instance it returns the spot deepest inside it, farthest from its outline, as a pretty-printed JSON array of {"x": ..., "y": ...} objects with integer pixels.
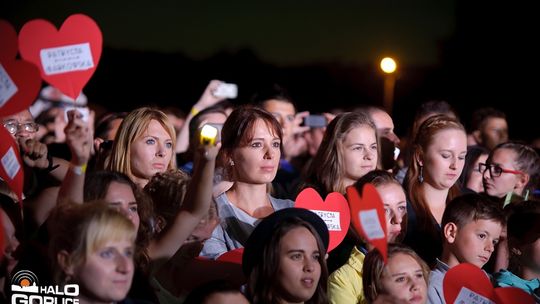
[
  {"x": 368, "y": 216},
  {"x": 509, "y": 295},
  {"x": 334, "y": 210},
  {"x": 8, "y": 40},
  {"x": 466, "y": 281},
  {"x": 233, "y": 256},
  {"x": 71, "y": 55},
  {"x": 11, "y": 170},
  {"x": 19, "y": 80}
]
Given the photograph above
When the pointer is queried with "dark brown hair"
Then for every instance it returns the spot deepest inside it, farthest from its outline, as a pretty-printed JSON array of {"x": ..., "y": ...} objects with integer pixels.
[
  {"x": 263, "y": 282},
  {"x": 472, "y": 207}
]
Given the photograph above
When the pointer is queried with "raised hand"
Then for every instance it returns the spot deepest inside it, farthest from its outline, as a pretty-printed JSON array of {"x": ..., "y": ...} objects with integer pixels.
[
  {"x": 34, "y": 153},
  {"x": 79, "y": 135}
]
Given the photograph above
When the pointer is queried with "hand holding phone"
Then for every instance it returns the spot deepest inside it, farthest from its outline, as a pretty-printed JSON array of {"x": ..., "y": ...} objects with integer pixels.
[
  {"x": 226, "y": 90},
  {"x": 315, "y": 121},
  {"x": 84, "y": 111},
  {"x": 210, "y": 133}
]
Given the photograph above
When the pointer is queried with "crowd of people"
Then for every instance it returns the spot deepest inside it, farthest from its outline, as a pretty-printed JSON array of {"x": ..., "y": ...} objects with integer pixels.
[{"x": 141, "y": 207}]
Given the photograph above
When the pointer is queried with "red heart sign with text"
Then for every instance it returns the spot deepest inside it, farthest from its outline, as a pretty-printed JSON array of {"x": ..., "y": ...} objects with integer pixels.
[
  {"x": 19, "y": 79},
  {"x": 368, "y": 216},
  {"x": 11, "y": 170},
  {"x": 466, "y": 283},
  {"x": 67, "y": 58},
  {"x": 334, "y": 211},
  {"x": 233, "y": 256}
]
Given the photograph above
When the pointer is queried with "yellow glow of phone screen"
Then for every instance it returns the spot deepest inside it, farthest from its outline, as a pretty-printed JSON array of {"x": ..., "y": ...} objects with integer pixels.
[{"x": 208, "y": 135}]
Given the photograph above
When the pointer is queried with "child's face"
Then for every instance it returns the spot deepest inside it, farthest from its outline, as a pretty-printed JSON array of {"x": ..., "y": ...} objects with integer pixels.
[
  {"x": 107, "y": 273},
  {"x": 474, "y": 243},
  {"x": 403, "y": 279},
  {"x": 299, "y": 268}
]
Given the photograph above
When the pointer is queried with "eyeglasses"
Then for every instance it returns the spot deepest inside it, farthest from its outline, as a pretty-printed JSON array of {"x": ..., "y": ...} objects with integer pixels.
[
  {"x": 13, "y": 127},
  {"x": 496, "y": 170}
]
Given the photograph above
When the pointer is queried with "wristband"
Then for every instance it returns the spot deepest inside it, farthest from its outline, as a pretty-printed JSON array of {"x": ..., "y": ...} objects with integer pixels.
[{"x": 79, "y": 170}]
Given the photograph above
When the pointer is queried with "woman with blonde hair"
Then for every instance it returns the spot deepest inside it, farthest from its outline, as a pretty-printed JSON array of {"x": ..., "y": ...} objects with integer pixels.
[
  {"x": 92, "y": 246},
  {"x": 144, "y": 145},
  {"x": 402, "y": 279}
]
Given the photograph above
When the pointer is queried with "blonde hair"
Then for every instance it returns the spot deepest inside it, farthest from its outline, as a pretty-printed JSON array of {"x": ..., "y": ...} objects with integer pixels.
[
  {"x": 133, "y": 127},
  {"x": 81, "y": 230},
  {"x": 374, "y": 267}
]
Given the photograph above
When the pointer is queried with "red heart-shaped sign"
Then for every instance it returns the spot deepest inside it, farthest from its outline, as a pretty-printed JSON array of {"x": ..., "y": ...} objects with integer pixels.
[
  {"x": 8, "y": 40},
  {"x": 11, "y": 170},
  {"x": 66, "y": 58},
  {"x": 507, "y": 295},
  {"x": 466, "y": 283},
  {"x": 368, "y": 218},
  {"x": 233, "y": 256},
  {"x": 19, "y": 80},
  {"x": 334, "y": 210}
]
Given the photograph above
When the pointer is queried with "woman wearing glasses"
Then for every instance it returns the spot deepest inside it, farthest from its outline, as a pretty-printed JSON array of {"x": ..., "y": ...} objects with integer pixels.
[
  {"x": 439, "y": 150},
  {"x": 511, "y": 172},
  {"x": 513, "y": 168}
]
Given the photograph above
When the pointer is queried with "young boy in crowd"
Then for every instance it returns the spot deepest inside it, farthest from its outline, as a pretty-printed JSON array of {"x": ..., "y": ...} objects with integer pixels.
[{"x": 471, "y": 227}]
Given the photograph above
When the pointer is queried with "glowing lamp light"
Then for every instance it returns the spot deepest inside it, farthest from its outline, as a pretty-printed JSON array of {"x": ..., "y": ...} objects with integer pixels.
[
  {"x": 388, "y": 65},
  {"x": 208, "y": 135}
]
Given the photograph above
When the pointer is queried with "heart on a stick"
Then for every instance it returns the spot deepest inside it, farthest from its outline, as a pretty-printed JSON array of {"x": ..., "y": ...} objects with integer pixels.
[
  {"x": 19, "y": 79},
  {"x": 11, "y": 170},
  {"x": 334, "y": 211},
  {"x": 367, "y": 216},
  {"x": 468, "y": 284},
  {"x": 67, "y": 58}
]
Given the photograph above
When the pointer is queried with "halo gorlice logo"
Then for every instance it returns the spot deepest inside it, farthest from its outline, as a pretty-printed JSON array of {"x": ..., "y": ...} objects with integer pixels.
[{"x": 26, "y": 290}]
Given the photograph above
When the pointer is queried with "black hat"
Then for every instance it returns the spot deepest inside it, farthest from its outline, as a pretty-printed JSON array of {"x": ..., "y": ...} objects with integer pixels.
[{"x": 253, "y": 249}]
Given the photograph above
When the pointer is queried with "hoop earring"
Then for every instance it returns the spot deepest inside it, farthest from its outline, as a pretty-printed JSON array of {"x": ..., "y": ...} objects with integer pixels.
[{"x": 421, "y": 175}]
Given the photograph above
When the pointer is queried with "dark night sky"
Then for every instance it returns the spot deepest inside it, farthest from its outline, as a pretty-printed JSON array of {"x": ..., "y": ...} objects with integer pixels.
[
  {"x": 282, "y": 32},
  {"x": 471, "y": 53}
]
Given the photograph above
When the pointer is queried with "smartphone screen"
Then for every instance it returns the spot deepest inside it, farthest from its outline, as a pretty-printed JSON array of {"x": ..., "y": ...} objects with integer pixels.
[
  {"x": 84, "y": 111},
  {"x": 315, "y": 121}
]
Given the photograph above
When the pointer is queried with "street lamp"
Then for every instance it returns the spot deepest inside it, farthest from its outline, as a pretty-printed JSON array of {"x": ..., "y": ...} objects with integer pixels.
[{"x": 389, "y": 66}]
